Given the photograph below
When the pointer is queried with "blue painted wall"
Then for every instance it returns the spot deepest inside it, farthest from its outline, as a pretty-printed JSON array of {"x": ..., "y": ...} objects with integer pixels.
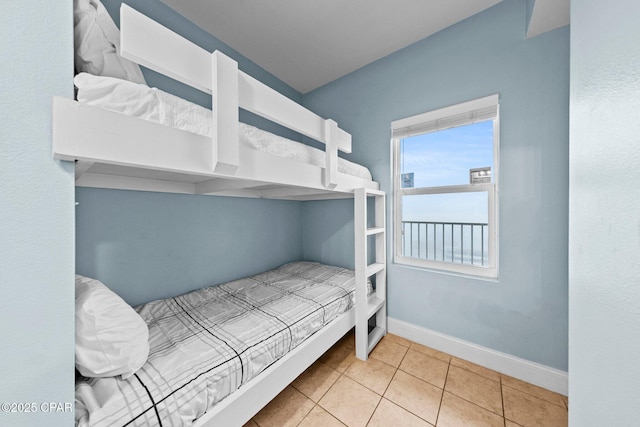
[
  {"x": 328, "y": 232},
  {"x": 36, "y": 215},
  {"x": 604, "y": 243},
  {"x": 524, "y": 313},
  {"x": 147, "y": 246},
  {"x": 152, "y": 245}
]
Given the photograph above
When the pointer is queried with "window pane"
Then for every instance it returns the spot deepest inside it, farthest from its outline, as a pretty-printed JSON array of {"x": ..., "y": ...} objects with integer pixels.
[
  {"x": 446, "y": 227},
  {"x": 446, "y": 157}
]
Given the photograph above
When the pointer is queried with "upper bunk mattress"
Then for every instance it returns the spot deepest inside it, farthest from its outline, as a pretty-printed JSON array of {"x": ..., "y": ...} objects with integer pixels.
[
  {"x": 152, "y": 104},
  {"x": 207, "y": 343}
]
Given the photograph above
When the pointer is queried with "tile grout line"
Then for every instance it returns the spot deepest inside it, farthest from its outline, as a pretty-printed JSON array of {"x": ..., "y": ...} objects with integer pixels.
[
  {"x": 402, "y": 407},
  {"x": 397, "y": 368},
  {"x": 330, "y": 414},
  {"x": 307, "y": 414},
  {"x": 474, "y": 403},
  {"x": 504, "y": 414},
  {"x": 341, "y": 374},
  {"x": 564, "y": 406},
  {"x": 449, "y": 364},
  {"x": 374, "y": 411},
  {"x": 471, "y": 401},
  {"x": 499, "y": 381},
  {"x": 444, "y": 386},
  {"x": 411, "y": 375},
  {"x": 418, "y": 378},
  {"x": 387, "y": 387}
]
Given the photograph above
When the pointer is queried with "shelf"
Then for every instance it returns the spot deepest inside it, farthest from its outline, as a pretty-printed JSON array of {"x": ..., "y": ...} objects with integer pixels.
[
  {"x": 376, "y": 193},
  {"x": 374, "y": 230},
  {"x": 374, "y": 305},
  {"x": 374, "y": 268},
  {"x": 374, "y": 337}
]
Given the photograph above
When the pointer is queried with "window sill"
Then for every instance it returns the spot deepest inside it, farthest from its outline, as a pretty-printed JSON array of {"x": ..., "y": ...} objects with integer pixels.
[{"x": 487, "y": 274}]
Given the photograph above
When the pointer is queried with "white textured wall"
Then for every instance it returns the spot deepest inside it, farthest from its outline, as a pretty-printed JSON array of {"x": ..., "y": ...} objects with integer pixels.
[
  {"x": 36, "y": 216},
  {"x": 604, "y": 238}
]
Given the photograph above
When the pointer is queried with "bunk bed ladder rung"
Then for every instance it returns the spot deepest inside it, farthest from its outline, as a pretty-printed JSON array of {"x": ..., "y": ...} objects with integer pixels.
[
  {"x": 374, "y": 337},
  {"x": 371, "y": 310}
]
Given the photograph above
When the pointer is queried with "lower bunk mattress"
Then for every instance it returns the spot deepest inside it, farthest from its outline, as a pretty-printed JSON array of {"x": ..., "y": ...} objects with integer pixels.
[{"x": 208, "y": 343}]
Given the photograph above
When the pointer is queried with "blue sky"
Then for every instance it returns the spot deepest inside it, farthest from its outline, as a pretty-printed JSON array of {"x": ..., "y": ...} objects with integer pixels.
[{"x": 444, "y": 158}]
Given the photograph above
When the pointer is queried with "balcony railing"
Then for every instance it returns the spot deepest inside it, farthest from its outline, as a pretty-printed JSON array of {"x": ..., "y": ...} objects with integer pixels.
[{"x": 453, "y": 242}]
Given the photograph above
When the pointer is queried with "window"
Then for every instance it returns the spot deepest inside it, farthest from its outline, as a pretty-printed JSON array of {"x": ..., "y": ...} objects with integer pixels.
[{"x": 445, "y": 166}]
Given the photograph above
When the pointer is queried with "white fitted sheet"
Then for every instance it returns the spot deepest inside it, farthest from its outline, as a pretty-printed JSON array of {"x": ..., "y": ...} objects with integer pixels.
[{"x": 155, "y": 105}]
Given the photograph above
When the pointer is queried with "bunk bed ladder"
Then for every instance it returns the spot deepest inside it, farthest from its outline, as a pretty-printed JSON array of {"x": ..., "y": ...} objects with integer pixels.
[{"x": 371, "y": 311}]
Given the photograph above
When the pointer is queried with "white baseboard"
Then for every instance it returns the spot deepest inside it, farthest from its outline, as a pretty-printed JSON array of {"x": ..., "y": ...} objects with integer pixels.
[{"x": 531, "y": 372}]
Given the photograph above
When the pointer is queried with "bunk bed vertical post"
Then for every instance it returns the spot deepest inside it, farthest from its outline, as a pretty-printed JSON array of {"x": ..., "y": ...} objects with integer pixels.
[
  {"x": 360, "y": 226},
  {"x": 381, "y": 258},
  {"x": 375, "y": 304},
  {"x": 224, "y": 94},
  {"x": 331, "y": 154}
]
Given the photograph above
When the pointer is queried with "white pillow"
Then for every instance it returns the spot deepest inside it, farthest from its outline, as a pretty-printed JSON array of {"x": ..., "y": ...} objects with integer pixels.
[
  {"x": 111, "y": 338},
  {"x": 97, "y": 43},
  {"x": 144, "y": 102},
  {"x": 118, "y": 95}
]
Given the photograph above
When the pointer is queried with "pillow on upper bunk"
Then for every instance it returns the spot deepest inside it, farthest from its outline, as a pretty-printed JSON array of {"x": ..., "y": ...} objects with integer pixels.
[
  {"x": 121, "y": 95},
  {"x": 97, "y": 43},
  {"x": 111, "y": 338}
]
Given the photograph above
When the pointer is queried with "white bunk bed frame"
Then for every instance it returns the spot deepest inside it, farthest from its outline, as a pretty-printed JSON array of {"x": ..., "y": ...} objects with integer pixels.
[{"x": 112, "y": 150}]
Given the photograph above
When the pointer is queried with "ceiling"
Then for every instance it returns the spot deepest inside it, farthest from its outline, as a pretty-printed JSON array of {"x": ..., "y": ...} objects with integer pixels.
[{"x": 308, "y": 43}]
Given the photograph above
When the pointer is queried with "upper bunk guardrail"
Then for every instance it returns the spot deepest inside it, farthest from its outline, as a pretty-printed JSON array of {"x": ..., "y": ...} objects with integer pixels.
[{"x": 154, "y": 46}]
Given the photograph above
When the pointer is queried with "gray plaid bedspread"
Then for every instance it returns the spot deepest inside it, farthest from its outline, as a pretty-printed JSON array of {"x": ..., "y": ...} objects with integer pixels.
[{"x": 208, "y": 343}]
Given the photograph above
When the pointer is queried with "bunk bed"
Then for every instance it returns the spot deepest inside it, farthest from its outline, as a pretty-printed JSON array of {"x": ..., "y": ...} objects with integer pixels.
[{"x": 113, "y": 148}]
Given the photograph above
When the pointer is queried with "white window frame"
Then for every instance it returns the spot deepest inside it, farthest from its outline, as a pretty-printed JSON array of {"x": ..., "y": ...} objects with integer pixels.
[{"x": 470, "y": 112}]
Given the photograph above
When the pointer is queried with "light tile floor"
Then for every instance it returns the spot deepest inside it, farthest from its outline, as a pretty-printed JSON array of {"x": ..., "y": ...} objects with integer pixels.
[{"x": 408, "y": 384}]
